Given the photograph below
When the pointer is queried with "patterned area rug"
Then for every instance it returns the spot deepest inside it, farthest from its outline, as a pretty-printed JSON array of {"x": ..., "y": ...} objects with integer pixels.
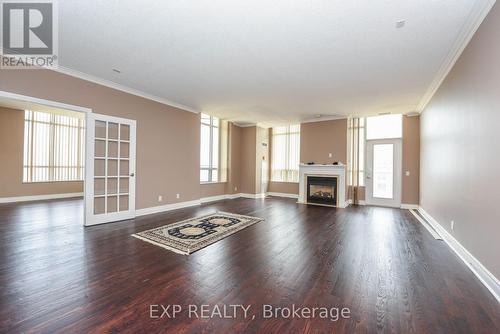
[{"x": 190, "y": 235}]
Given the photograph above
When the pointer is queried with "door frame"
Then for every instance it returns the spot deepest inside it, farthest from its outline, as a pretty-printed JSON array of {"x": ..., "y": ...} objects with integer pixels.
[
  {"x": 91, "y": 219},
  {"x": 395, "y": 202},
  {"x": 58, "y": 105}
]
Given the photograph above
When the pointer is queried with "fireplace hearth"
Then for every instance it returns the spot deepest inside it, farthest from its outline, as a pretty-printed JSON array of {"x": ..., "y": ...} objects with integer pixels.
[{"x": 322, "y": 190}]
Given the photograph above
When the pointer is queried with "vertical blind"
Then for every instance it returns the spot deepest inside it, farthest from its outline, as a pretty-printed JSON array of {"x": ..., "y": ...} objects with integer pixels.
[
  {"x": 213, "y": 149},
  {"x": 53, "y": 147},
  {"x": 285, "y": 153}
]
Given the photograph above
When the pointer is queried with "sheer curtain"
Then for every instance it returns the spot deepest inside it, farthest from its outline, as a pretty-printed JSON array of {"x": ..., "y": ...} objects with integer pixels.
[
  {"x": 285, "y": 153},
  {"x": 356, "y": 155}
]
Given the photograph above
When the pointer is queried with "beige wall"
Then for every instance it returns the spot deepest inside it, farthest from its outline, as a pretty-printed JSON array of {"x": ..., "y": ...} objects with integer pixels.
[
  {"x": 248, "y": 160},
  {"x": 11, "y": 157},
  {"x": 234, "y": 163},
  {"x": 411, "y": 160},
  {"x": 167, "y": 138},
  {"x": 212, "y": 189},
  {"x": 459, "y": 148},
  {"x": 318, "y": 139},
  {"x": 261, "y": 158}
]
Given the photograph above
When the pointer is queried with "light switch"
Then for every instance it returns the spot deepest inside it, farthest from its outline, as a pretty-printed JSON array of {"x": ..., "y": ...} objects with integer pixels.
[{"x": 407, "y": 173}]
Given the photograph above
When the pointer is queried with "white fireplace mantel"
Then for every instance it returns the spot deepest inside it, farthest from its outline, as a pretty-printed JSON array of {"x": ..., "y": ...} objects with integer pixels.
[{"x": 323, "y": 170}]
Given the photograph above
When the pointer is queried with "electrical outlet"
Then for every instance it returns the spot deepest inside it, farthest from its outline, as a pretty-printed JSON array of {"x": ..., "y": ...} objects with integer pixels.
[
  {"x": 330, "y": 155},
  {"x": 160, "y": 198},
  {"x": 178, "y": 195},
  {"x": 235, "y": 188},
  {"x": 452, "y": 225}
]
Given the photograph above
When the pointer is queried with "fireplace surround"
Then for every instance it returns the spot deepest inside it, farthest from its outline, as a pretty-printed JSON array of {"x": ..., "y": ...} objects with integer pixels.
[{"x": 307, "y": 171}]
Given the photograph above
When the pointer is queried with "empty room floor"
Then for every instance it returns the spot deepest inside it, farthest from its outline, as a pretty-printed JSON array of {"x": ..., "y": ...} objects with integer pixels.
[{"x": 57, "y": 276}]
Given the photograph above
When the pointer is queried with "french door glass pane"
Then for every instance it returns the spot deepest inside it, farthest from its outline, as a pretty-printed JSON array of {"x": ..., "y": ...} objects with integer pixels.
[
  {"x": 124, "y": 132},
  {"x": 111, "y": 167},
  {"x": 383, "y": 171}
]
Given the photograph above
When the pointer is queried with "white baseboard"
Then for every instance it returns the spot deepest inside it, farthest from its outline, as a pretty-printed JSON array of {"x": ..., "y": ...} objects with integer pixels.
[
  {"x": 166, "y": 207},
  {"x": 487, "y": 278},
  {"x": 405, "y": 206},
  {"x": 38, "y": 197},
  {"x": 213, "y": 198},
  {"x": 187, "y": 204},
  {"x": 361, "y": 202},
  {"x": 287, "y": 195},
  {"x": 254, "y": 196}
]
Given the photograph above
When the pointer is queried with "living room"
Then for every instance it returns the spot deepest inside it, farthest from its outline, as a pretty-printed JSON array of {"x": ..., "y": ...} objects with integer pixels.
[{"x": 249, "y": 167}]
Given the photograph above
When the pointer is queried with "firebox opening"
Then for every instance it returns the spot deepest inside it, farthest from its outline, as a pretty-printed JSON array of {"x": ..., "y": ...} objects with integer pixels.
[{"x": 322, "y": 190}]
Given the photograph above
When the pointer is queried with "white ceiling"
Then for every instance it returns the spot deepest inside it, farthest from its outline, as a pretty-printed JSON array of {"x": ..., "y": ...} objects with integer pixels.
[{"x": 266, "y": 62}]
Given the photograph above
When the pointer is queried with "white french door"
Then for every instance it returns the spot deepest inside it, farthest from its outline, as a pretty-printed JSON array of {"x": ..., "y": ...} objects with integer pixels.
[
  {"x": 109, "y": 169},
  {"x": 383, "y": 172}
]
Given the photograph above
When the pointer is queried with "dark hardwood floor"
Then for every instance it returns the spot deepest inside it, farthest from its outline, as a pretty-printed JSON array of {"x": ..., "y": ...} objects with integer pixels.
[{"x": 58, "y": 277}]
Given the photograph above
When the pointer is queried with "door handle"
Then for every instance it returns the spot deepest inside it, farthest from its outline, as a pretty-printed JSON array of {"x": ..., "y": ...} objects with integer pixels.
[{"x": 132, "y": 174}]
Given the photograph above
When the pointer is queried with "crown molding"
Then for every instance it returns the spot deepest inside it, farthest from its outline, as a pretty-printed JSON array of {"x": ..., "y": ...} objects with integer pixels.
[
  {"x": 323, "y": 119},
  {"x": 244, "y": 125},
  {"x": 111, "y": 84},
  {"x": 477, "y": 15},
  {"x": 120, "y": 87}
]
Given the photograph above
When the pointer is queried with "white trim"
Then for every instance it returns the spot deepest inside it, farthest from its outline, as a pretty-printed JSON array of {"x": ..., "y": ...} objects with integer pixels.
[
  {"x": 244, "y": 125},
  {"x": 324, "y": 119},
  {"x": 487, "y": 278},
  {"x": 361, "y": 202},
  {"x": 213, "y": 198},
  {"x": 120, "y": 87},
  {"x": 233, "y": 196},
  {"x": 405, "y": 206},
  {"x": 287, "y": 195},
  {"x": 38, "y": 197},
  {"x": 474, "y": 20},
  {"x": 254, "y": 196},
  {"x": 48, "y": 103},
  {"x": 166, "y": 207},
  {"x": 395, "y": 202},
  {"x": 429, "y": 228},
  {"x": 90, "y": 217}
]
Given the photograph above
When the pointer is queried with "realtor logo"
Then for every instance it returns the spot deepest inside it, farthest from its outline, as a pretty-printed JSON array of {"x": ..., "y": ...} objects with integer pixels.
[{"x": 29, "y": 34}]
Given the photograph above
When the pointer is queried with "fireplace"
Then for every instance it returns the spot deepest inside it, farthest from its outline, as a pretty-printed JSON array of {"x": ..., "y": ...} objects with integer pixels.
[{"x": 322, "y": 190}]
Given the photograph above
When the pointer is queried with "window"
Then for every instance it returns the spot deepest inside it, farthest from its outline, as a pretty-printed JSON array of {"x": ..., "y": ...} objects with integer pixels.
[
  {"x": 384, "y": 127},
  {"x": 213, "y": 149},
  {"x": 356, "y": 149},
  {"x": 285, "y": 153},
  {"x": 53, "y": 147}
]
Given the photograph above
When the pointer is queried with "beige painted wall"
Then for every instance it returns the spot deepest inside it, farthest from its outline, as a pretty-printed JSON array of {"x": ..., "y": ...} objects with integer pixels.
[
  {"x": 248, "y": 160},
  {"x": 459, "y": 147},
  {"x": 11, "y": 157},
  {"x": 411, "y": 160},
  {"x": 212, "y": 189},
  {"x": 167, "y": 138},
  {"x": 317, "y": 139},
  {"x": 261, "y": 158},
  {"x": 234, "y": 163}
]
